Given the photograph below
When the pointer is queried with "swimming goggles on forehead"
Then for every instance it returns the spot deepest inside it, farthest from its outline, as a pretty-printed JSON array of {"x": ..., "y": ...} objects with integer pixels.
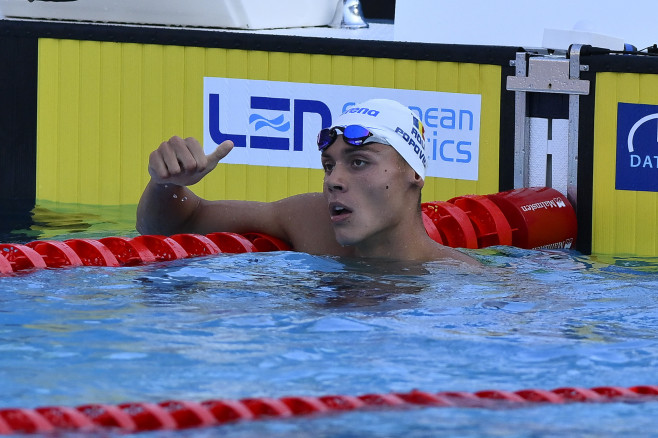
[{"x": 354, "y": 135}]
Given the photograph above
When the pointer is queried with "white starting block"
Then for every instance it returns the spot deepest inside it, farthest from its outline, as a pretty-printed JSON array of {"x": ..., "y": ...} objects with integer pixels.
[{"x": 238, "y": 14}]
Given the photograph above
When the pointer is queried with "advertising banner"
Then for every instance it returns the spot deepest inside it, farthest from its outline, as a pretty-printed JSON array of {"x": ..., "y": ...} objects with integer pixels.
[
  {"x": 276, "y": 123},
  {"x": 637, "y": 147}
]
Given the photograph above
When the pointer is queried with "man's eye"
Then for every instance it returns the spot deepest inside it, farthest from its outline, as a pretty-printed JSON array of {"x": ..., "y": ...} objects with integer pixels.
[
  {"x": 328, "y": 167},
  {"x": 358, "y": 163}
]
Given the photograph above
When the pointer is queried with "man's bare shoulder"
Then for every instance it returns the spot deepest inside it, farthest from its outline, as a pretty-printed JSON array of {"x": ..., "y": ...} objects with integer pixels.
[
  {"x": 307, "y": 223},
  {"x": 313, "y": 197},
  {"x": 446, "y": 253},
  {"x": 305, "y": 207}
]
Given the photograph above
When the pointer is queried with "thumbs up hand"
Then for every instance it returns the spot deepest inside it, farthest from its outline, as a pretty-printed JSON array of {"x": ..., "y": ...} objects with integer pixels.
[{"x": 183, "y": 162}]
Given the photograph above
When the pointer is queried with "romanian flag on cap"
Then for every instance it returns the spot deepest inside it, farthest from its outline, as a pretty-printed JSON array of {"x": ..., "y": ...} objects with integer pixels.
[{"x": 419, "y": 126}]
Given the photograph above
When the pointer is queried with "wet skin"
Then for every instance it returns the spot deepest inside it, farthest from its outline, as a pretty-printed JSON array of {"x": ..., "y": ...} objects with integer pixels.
[{"x": 371, "y": 194}]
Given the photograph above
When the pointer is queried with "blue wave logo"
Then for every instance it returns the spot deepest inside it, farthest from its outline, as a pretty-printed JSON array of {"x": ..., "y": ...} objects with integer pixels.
[{"x": 263, "y": 122}]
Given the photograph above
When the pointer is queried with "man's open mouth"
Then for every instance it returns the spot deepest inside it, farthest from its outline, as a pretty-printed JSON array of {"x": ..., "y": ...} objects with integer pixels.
[{"x": 338, "y": 210}]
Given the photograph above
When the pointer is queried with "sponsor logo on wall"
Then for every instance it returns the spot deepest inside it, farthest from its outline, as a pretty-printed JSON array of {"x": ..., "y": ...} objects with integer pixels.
[
  {"x": 276, "y": 123},
  {"x": 637, "y": 147}
]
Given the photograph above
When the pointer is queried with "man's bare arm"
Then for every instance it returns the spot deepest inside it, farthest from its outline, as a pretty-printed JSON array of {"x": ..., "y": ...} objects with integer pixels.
[{"x": 168, "y": 207}]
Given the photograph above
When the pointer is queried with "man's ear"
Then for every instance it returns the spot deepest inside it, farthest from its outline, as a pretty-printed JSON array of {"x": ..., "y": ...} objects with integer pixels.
[{"x": 418, "y": 181}]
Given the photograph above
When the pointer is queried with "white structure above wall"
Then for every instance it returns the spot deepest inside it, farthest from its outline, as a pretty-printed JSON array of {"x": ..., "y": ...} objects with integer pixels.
[
  {"x": 523, "y": 23},
  {"x": 240, "y": 14}
]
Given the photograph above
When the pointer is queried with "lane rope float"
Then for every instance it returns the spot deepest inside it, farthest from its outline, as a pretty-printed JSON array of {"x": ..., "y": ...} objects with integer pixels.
[
  {"x": 537, "y": 217},
  {"x": 177, "y": 414},
  {"x": 123, "y": 251}
]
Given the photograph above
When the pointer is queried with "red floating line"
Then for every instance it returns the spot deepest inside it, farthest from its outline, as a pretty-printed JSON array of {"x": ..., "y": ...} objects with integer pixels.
[
  {"x": 538, "y": 216},
  {"x": 128, "y": 252},
  {"x": 455, "y": 227},
  {"x": 463, "y": 399},
  {"x": 149, "y": 416},
  {"x": 304, "y": 405},
  {"x": 56, "y": 254},
  {"x": 108, "y": 416},
  {"x": 645, "y": 390},
  {"x": 424, "y": 398},
  {"x": 491, "y": 226},
  {"x": 500, "y": 395},
  {"x": 196, "y": 245},
  {"x": 578, "y": 394},
  {"x": 92, "y": 252},
  {"x": 176, "y": 414},
  {"x": 431, "y": 229},
  {"x": 123, "y": 251},
  {"x": 517, "y": 217},
  {"x": 66, "y": 418},
  {"x": 5, "y": 266},
  {"x": 188, "y": 414},
  {"x": 25, "y": 421},
  {"x": 342, "y": 402},
  {"x": 267, "y": 407},
  {"x": 615, "y": 392},
  {"x": 540, "y": 396},
  {"x": 266, "y": 243},
  {"x": 382, "y": 400},
  {"x": 163, "y": 248},
  {"x": 226, "y": 411},
  {"x": 21, "y": 257},
  {"x": 5, "y": 429},
  {"x": 232, "y": 242}
]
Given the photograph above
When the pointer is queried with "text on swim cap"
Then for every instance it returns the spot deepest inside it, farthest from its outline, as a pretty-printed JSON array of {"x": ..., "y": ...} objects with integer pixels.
[
  {"x": 366, "y": 111},
  {"x": 411, "y": 140}
]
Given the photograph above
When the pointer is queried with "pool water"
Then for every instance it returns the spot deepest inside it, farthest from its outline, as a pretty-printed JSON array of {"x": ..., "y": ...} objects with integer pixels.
[{"x": 281, "y": 324}]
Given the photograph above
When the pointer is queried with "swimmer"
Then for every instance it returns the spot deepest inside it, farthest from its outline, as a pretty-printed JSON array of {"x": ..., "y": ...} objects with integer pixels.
[{"x": 374, "y": 170}]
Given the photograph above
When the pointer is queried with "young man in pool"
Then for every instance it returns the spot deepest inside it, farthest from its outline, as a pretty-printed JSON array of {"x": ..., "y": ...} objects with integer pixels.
[{"x": 374, "y": 169}]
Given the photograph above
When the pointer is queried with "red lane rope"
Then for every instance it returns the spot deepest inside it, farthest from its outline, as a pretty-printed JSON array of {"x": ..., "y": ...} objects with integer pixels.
[
  {"x": 533, "y": 217},
  {"x": 123, "y": 251},
  {"x": 176, "y": 414},
  {"x": 527, "y": 218}
]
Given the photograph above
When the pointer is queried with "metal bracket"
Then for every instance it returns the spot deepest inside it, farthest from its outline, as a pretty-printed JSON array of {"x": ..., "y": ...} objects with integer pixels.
[
  {"x": 549, "y": 74},
  {"x": 545, "y": 73}
]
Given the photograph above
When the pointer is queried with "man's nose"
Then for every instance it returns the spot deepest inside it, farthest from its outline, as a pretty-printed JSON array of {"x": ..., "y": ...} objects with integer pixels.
[{"x": 335, "y": 180}]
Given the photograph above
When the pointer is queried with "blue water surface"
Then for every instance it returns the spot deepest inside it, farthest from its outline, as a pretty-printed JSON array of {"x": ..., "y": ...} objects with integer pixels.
[{"x": 281, "y": 324}]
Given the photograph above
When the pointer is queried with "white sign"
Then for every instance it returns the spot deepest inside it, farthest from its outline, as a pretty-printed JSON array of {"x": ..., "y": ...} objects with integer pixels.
[
  {"x": 276, "y": 123},
  {"x": 526, "y": 23}
]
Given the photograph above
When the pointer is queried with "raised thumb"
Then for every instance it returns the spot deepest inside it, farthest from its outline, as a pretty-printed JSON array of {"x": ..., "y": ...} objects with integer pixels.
[{"x": 220, "y": 152}]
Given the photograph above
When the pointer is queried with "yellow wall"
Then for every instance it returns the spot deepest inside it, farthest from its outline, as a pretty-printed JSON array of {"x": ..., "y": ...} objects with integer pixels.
[
  {"x": 103, "y": 107},
  {"x": 623, "y": 222}
]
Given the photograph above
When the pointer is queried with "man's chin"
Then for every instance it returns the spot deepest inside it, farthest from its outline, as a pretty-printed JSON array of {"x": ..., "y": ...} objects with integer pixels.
[{"x": 345, "y": 240}]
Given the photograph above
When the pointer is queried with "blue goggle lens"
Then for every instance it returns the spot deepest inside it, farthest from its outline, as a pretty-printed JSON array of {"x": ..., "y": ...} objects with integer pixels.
[{"x": 354, "y": 135}]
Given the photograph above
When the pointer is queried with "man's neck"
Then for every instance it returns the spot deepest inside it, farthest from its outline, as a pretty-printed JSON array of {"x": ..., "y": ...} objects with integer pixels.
[{"x": 407, "y": 241}]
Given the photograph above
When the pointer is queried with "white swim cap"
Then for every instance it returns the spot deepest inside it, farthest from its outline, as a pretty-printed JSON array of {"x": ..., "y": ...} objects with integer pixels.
[{"x": 393, "y": 122}]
